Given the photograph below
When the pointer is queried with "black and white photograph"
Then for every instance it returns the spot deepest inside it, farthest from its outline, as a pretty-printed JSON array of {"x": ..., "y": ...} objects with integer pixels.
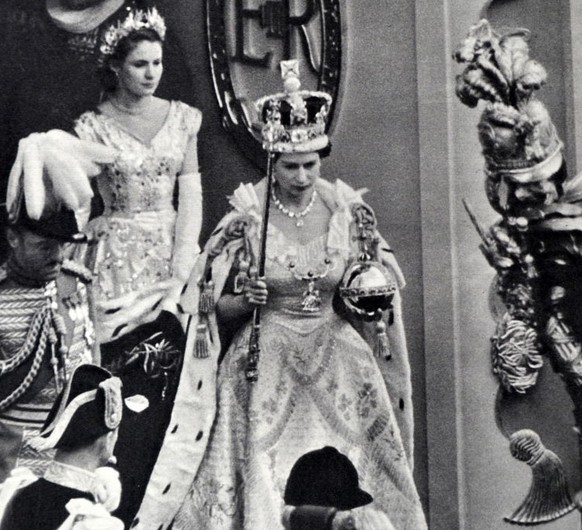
[{"x": 290, "y": 264}]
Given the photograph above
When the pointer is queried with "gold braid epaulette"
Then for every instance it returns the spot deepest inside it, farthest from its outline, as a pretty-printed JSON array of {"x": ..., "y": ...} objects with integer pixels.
[
  {"x": 36, "y": 340},
  {"x": 43, "y": 331},
  {"x": 78, "y": 270}
]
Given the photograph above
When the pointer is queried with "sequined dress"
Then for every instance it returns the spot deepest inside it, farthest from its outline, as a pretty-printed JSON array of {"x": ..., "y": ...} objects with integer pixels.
[
  {"x": 136, "y": 231},
  {"x": 319, "y": 384}
]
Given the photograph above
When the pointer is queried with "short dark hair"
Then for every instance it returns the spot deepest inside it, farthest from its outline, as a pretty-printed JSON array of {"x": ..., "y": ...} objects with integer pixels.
[{"x": 124, "y": 47}]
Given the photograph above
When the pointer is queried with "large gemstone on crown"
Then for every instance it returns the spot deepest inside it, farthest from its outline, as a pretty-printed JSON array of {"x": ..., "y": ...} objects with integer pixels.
[{"x": 367, "y": 288}]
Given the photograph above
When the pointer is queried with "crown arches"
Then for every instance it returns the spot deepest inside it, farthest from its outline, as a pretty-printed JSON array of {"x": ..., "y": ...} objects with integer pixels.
[{"x": 274, "y": 18}]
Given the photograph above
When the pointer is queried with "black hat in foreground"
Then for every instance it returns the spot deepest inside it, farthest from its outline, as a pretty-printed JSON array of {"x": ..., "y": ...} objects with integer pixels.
[
  {"x": 325, "y": 477},
  {"x": 61, "y": 225},
  {"x": 90, "y": 406}
]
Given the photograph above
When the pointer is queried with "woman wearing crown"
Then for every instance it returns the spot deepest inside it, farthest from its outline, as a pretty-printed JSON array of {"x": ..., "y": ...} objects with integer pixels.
[
  {"x": 224, "y": 463},
  {"x": 145, "y": 249}
]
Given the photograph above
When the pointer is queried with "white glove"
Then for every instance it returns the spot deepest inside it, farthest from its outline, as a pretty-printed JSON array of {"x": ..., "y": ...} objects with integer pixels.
[
  {"x": 363, "y": 518},
  {"x": 188, "y": 223},
  {"x": 107, "y": 488},
  {"x": 86, "y": 515}
]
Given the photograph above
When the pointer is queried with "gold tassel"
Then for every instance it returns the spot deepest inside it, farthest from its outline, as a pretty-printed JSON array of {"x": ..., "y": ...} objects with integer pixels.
[
  {"x": 548, "y": 497},
  {"x": 242, "y": 276},
  {"x": 239, "y": 282},
  {"x": 206, "y": 303},
  {"x": 201, "y": 341},
  {"x": 382, "y": 348}
]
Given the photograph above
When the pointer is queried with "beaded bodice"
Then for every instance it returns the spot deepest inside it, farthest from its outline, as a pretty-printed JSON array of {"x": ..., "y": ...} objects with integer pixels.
[
  {"x": 129, "y": 187},
  {"x": 143, "y": 176}
]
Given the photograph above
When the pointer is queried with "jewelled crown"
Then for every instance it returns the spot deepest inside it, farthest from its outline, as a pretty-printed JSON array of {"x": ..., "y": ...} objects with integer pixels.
[
  {"x": 136, "y": 20},
  {"x": 516, "y": 132},
  {"x": 294, "y": 121}
]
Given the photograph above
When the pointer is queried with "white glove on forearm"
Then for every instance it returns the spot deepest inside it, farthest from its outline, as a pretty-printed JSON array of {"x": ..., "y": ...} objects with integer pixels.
[{"x": 188, "y": 223}]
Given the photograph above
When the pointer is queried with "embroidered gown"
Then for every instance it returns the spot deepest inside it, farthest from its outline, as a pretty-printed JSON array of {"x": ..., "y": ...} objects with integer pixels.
[
  {"x": 134, "y": 253},
  {"x": 319, "y": 384},
  {"x": 135, "y": 234}
]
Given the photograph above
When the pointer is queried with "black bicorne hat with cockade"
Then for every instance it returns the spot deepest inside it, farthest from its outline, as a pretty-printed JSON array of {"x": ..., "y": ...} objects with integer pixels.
[{"x": 91, "y": 405}]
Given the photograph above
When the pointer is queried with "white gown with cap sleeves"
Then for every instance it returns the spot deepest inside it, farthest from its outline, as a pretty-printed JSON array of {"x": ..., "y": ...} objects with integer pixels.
[{"x": 135, "y": 233}]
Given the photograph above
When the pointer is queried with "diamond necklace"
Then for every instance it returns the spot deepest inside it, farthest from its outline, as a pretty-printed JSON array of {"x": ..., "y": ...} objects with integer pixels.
[{"x": 293, "y": 215}]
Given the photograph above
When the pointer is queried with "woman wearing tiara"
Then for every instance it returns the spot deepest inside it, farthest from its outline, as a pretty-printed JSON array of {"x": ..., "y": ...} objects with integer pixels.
[
  {"x": 143, "y": 247},
  {"x": 316, "y": 380}
]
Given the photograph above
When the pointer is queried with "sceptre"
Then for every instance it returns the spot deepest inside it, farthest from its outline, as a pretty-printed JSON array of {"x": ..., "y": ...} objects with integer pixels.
[
  {"x": 254, "y": 348},
  {"x": 292, "y": 121}
]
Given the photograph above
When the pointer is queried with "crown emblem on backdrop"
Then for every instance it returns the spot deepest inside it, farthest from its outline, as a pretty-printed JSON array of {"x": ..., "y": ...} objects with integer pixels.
[
  {"x": 516, "y": 132},
  {"x": 294, "y": 121},
  {"x": 136, "y": 20}
]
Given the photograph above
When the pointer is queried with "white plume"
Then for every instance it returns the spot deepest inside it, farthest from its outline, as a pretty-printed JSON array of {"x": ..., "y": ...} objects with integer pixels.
[{"x": 53, "y": 168}]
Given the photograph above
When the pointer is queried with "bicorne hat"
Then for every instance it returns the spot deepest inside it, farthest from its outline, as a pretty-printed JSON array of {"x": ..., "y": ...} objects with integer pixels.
[
  {"x": 294, "y": 121},
  {"x": 325, "y": 477},
  {"x": 90, "y": 406}
]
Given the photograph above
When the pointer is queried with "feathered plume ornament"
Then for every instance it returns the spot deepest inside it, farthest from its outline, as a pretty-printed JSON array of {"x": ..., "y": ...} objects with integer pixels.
[
  {"x": 516, "y": 131},
  {"x": 53, "y": 169},
  {"x": 548, "y": 497},
  {"x": 498, "y": 67}
]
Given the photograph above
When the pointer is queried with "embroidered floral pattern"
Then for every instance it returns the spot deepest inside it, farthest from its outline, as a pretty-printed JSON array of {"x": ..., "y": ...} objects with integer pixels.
[
  {"x": 319, "y": 384},
  {"x": 344, "y": 406},
  {"x": 131, "y": 256},
  {"x": 367, "y": 400},
  {"x": 136, "y": 232}
]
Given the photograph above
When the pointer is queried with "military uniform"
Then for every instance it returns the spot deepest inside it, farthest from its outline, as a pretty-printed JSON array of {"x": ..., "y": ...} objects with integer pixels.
[
  {"x": 45, "y": 332},
  {"x": 74, "y": 492},
  {"x": 49, "y": 500}
]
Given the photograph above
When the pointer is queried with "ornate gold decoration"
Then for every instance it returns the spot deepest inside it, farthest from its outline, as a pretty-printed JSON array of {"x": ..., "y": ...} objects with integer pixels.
[{"x": 548, "y": 497}]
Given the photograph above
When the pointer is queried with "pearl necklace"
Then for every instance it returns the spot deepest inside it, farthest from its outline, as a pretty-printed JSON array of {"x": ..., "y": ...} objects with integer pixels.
[
  {"x": 289, "y": 213},
  {"x": 126, "y": 110}
]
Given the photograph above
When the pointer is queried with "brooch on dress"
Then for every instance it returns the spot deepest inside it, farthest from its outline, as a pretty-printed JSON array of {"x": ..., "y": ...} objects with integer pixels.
[{"x": 311, "y": 296}]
